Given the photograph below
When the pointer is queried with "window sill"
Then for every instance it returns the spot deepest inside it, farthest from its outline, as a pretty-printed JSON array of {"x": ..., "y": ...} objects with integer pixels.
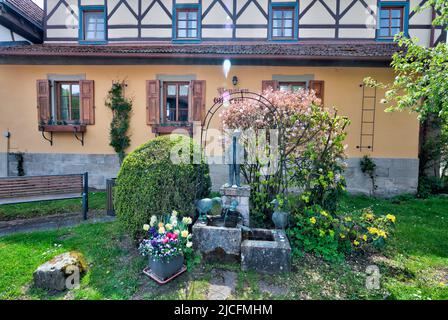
[
  {"x": 63, "y": 128},
  {"x": 170, "y": 128},
  {"x": 87, "y": 42}
]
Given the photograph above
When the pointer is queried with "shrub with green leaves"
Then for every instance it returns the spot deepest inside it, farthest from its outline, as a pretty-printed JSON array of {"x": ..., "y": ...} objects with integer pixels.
[
  {"x": 149, "y": 183},
  {"x": 331, "y": 236}
]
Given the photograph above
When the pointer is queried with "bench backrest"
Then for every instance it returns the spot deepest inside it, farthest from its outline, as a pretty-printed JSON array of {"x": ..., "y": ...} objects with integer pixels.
[{"x": 16, "y": 187}]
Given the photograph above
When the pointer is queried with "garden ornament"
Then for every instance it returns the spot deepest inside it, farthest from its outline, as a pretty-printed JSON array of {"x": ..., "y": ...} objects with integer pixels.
[
  {"x": 231, "y": 215},
  {"x": 234, "y": 158},
  {"x": 280, "y": 218},
  {"x": 205, "y": 205}
]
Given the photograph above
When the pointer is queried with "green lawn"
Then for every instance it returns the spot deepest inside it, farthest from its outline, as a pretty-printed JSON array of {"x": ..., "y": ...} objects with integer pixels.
[
  {"x": 97, "y": 201},
  {"x": 413, "y": 266}
]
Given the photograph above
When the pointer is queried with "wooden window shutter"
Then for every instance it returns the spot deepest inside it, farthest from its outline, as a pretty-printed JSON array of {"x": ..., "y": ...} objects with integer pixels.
[
  {"x": 318, "y": 86},
  {"x": 152, "y": 102},
  {"x": 269, "y": 83},
  {"x": 43, "y": 101},
  {"x": 87, "y": 98},
  {"x": 197, "y": 110}
]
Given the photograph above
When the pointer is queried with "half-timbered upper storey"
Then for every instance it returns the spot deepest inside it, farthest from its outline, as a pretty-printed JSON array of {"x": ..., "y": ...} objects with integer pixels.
[{"x": 194, "y": 21}]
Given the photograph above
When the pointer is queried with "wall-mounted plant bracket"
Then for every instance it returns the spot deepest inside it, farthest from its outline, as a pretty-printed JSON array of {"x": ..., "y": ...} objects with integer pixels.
[
  {"x": 76, "y": 129},
  {"x": 49, "y": 140},
  {"x": 75, "y": 133}
]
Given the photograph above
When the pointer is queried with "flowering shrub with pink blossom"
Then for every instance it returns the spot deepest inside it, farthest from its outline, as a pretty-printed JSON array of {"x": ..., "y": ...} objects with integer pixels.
[{"x": 304, "y": 147}]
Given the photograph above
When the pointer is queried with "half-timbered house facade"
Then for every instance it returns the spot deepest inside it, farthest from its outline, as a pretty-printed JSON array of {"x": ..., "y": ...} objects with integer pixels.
[{"x": 171, "y": 53}]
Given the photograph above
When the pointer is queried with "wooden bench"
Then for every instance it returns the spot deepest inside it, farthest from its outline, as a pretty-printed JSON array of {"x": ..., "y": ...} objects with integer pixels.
[{"x": 45, "y": 188}]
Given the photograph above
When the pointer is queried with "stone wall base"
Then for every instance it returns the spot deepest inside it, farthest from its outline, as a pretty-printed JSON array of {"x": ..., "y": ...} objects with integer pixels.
[{"x": 394, "y": 175}]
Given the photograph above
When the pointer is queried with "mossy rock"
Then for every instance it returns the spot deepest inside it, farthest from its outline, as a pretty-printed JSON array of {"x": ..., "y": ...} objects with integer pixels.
[{"x": 149, "y": 183}]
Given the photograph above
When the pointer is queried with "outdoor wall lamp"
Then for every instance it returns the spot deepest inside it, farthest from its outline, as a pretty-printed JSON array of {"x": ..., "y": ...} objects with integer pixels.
[{"x": 235, "y": 80}]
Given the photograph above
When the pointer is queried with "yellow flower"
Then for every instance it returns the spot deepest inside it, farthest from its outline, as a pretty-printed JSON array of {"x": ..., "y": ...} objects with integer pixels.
[
  {"x": 184, "y": 234},
  {"x": 146, "y": 227},
  {"x": 342, "y": 235},
  {"x": 169, "y": 226},
  {"x": 356, "y": 243},
  {"x": 369, "y": 216},
  {"x": 364, "y": 237},
  {"x": 373, "y": 230},
  {"x": 161, "y": 224},
  {"x": 161, "y": 230},
  {"x": 324, "y": 213},
  {"x": 313, "y": 220},
  {"x": 321, "y": 232},
  {"x": 187, "y": 220},
  {"x": 348, "y": 219},
  {"x": 382, "y": 233},
  {"x": 391, "y": 218}
]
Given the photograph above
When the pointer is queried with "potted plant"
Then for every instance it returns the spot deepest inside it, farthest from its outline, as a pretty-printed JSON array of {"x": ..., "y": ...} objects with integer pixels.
[{"x": 166, "y": 243}]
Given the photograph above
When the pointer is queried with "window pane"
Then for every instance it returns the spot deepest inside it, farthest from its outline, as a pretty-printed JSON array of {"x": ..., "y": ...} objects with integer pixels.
[
  {"x": 287, "y": 14},
  {"x": 182, "y": 33},
  {"x": 384, "y": 13},
  {"x": 276, "y": 32},
  {"x": 182, "y": 15},
  {"x": 183, "y": 90},
  {"x": 172, "y": 90},
  {"x": 192, "y": 15},
  {"x": 192, "y": 24},
  {"x": 278, "y": 14},
  {"x": 182, "y": 24},
  {"x": 384, "y": 23},
  {"x": 396, "y": 13},
  {"x": 277, "y": 23},
  {"x": 287, "y": 32},
  {"x": 288, "y": 23},
  {"x": 192, "y": 33},
  {"x": 384, "y": 32},
  {"x": 75, "y": 108},
  {"x": 284, "y": 87},
  {"x": 64, "y": 108},
  {"x": 395, "y": 31},
  {"x": 396, "y": 23}
]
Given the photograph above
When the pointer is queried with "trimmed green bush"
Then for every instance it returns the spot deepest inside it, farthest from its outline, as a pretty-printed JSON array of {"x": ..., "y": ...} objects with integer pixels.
[{"x": 149, "y": 183}]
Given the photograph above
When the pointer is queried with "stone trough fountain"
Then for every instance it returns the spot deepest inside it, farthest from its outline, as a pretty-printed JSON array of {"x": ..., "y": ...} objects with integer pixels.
[{"x": 262, "y": 250}]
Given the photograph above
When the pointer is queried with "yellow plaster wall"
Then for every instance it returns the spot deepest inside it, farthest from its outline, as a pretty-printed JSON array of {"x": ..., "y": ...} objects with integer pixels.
[{"x": 396, "y": 135}]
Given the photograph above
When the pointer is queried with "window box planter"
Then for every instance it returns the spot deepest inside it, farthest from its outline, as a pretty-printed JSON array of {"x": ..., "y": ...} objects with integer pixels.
[
  {"x": 63, "y": 128},
  {"x": 168, "y": 129},
  {"x": 166, "y": 269}
]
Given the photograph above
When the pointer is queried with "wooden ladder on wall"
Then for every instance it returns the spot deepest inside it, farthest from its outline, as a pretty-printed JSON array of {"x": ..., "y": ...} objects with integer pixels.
[{"x": 367, "y": 134}]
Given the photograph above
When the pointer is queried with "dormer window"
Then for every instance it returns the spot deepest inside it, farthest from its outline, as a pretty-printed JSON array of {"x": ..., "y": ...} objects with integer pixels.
[
  {"x": 187, "y": 26},
  {"x": 283, "y": 21},
  {"x": 392, "y": 19},
  {"x": 93, "y": 25}
]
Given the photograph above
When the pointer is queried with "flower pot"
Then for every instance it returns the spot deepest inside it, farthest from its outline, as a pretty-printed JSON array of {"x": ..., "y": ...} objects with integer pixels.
[{"x": 165, "y": 269}]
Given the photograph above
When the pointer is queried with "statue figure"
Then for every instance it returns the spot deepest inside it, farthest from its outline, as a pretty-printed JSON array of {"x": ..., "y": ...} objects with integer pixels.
[
  {"x": 205, "y": 205},
  {"x": 234, "y": 157}
]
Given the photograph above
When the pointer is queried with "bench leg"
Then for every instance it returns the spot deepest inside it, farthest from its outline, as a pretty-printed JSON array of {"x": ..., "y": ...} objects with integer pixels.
[{"x": 85, "y": 197}]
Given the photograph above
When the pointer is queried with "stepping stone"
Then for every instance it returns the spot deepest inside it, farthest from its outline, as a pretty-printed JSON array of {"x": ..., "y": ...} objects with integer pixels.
[
  {"x": 53, "y": 274},
  {"x": 222, "y": 285}
]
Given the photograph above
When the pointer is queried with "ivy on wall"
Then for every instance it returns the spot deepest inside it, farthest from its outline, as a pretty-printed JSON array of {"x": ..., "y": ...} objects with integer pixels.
[{"x": 121, "y": 109}]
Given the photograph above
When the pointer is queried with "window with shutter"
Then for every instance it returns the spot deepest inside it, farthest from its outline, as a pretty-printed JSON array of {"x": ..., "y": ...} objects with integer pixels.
[
  {"x": 318, "y": 87},
  {"x": 197, "y": 100},
  {"x": 152, "y": 102},
  {"x": 43, "y": 101},
  {"x": 269, "y": 84},
  {"x": 87, "y": 101}
]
